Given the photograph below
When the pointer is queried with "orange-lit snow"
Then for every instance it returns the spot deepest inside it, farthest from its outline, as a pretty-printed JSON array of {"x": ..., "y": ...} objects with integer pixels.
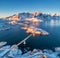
[
  {"x": 14, "y": 17},
  {"x": 33, "y": 20}
]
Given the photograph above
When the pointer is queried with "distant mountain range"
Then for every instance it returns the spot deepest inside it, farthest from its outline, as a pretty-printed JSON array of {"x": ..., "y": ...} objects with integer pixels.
[{"x": 37, "y": 15}]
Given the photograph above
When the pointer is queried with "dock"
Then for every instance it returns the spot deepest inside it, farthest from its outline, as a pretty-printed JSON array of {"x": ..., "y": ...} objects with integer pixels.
[{"x": 14, "y": 46}]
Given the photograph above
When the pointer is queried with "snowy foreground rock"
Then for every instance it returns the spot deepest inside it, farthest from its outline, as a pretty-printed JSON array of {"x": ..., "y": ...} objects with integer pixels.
[{"x": 7, "y": 52}]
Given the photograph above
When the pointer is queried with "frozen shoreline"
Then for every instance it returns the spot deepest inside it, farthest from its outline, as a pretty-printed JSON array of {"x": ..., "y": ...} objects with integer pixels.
[{"x": 36, "y": 53}]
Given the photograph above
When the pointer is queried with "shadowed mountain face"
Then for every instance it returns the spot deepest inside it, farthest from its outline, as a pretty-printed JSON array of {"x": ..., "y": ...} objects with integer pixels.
[{"x": 37, "y": 15}]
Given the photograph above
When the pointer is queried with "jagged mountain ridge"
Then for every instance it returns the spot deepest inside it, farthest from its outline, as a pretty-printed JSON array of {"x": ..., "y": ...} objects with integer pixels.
[{"x": 37, "y": 15}]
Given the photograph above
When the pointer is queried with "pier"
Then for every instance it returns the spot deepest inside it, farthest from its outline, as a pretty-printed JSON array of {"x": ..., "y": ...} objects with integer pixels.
[{"x": 14, "y": 46}]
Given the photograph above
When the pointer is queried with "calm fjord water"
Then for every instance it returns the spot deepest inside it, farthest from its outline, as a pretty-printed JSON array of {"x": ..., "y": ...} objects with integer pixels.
[{"x": 15, "y": 35}]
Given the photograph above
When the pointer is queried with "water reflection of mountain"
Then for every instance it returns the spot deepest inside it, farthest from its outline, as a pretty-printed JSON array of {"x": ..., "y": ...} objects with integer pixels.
[{"x": 53, "y": 22}]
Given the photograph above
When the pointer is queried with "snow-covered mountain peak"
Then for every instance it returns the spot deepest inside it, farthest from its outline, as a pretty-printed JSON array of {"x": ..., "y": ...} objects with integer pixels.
[{"x": 38, "y": 15}]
